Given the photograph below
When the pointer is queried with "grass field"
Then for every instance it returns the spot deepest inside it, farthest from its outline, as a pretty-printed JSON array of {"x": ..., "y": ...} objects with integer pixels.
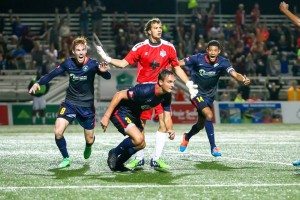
[{"x": 256, "y": 164}]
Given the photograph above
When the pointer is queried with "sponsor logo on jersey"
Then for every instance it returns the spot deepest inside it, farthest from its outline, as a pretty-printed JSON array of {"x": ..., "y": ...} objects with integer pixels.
[
  {"x": 145, "y": 107},
  {"x": 77, "y": 78},
  {"x": 202, "y": 72},
  {"x": 162, "y": 53},
  {"x": 85, "y": 68},
  {"x": 216, "y": 64}
]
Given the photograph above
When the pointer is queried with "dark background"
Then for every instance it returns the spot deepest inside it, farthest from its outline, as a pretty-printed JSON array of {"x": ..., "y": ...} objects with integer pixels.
[{"x": 136, "y": 6}]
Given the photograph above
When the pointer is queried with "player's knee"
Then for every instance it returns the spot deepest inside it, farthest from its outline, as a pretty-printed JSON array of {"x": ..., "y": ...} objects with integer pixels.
[
  {"x": 58, "y": 134},
  {"x": 139, "y": 140},
  {"x": 141, "y": 146},
  {"x": 209, "y": 117}
]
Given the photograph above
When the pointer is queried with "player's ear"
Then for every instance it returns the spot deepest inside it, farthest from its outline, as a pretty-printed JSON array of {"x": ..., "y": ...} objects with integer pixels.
[{"x": 160, "y": 82}]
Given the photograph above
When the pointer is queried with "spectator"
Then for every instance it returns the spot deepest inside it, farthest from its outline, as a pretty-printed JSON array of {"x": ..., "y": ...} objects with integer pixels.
[
  {"x": 255, "y": 14},
  {"x": 239, "y": 98},
  {"x": 240, "y": 20},
  {"x": 273, "y": 90},
  {"x": 293, "y": 93},
  {"x": 84, "y": 10},
  {"x": 39, "y": 101},
  {"x": 97, "y": 11}
]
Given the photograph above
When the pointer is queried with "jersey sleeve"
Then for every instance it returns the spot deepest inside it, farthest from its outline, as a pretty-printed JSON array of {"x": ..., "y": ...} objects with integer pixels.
[
  {"x": 134, "y": 92},
  {"x": 166, "y": 103},
  {"x": 106, "y": 75},
  {"x": 226, "y": 65},
  {"x": 133, "y": 56},
  {"x": 173, "y": 59},
  {"x": 60, "y": 69},
  {"x": 190, "y": 61}
]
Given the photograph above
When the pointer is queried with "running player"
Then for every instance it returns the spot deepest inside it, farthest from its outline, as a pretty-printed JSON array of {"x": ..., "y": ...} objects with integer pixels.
[
  {"x": 124, "y": 112},
  {"x": 206, "y": 70},
  {"x": 79, "y": 101},
  {"x": 284, "y": 8},
  {"x": 152, "y": 56}
]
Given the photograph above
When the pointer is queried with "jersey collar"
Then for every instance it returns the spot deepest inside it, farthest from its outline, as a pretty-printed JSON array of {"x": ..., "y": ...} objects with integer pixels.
[{"x": 208, "y": 61}]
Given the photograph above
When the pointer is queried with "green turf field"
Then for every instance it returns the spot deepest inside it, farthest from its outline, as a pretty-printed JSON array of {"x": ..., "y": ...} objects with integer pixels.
[{"x": 256, "y": 164}]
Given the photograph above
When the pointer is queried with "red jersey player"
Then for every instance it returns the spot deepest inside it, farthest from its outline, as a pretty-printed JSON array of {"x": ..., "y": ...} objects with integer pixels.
[{"x": 152, "y": 56}]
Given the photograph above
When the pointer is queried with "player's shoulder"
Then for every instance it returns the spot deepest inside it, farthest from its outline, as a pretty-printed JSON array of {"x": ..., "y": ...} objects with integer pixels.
[
  {"x": 167, "y": 43},
  {"x": 223, "y": 60},
  {"x": 140, "y": 45}
]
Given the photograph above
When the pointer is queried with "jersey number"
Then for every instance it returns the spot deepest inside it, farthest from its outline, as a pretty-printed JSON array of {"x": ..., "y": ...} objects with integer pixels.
[
  {"x": 128, "y": 120},
  {"x": 200, "y": 99},
  {"x": 62, "y": 111}
]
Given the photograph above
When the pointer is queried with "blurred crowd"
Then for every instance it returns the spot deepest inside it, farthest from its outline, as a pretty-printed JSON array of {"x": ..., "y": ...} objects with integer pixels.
[{"x": 253, "y": 47}]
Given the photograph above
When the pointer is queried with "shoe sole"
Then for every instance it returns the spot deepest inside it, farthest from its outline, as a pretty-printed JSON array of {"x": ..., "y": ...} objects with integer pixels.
[{"x": 112, "y": 160}]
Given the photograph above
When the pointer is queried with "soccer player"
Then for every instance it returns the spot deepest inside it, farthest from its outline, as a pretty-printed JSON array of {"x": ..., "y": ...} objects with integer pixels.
[
  {"x": 284, "y": 8},
  {"x": 124, "y": 112},
  {"x": 206, "y": 70},
  {"x": 79, "y": 101},
  {"x": 152, "y": 56}
]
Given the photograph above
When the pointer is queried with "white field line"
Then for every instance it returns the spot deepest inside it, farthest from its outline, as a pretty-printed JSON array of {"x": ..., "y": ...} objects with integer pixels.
[
  {"x": 146, "y": 186},
  {"x": 229, "y": 158}
]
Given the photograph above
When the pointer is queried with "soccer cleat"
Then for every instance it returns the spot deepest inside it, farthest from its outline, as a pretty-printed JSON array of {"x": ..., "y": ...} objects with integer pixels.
[
  {"x": 296, "y": 163},
  {"x": 184, "y": 143},
  {"x": 66, "y": 162},
  {"x": 159, "y": 164},
  {"x": 216, "y": 152},
  {"x": 87, "y": 152},
  {"x": 135, "y": 163},
  {"x": 112, "y": 160},
  {"x": 121, "y": 168}
]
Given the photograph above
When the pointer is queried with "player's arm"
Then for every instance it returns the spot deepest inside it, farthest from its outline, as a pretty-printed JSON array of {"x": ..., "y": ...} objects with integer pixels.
[
  {"x": 113, "y": 104},
  {"x": 169, "y": 124},
  {"x": 284, "y": 8},
  {"x": 116, "y": 62},
  {"x": 46, "y": 79},
  {"x": 239, "y": 77},
  {"x": 103, "y": 70}
]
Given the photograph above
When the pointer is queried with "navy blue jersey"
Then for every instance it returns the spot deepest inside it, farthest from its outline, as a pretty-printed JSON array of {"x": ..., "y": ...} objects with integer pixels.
[
  {"x": 205, "y": 74},
  {"x": 143, "y": 97},
  {"x": 81, "y": 80}
]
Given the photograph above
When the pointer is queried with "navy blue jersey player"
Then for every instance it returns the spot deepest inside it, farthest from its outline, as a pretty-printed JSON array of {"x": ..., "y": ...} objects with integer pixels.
[
  {"x": 206, "y": 70},
  {"x": 79, "y": 101},
  {"x": 124, "y": 112}
]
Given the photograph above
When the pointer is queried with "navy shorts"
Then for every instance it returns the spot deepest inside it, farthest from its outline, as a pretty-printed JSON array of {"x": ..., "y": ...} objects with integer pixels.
[
  {"x": 201, "y": 102},
  {"x": 84, "y": 115},
  {"x": 122, "y": 118}
]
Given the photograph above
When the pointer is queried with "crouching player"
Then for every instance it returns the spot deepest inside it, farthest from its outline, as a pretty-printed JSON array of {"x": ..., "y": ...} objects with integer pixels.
[{"x": 124, "y": 112}]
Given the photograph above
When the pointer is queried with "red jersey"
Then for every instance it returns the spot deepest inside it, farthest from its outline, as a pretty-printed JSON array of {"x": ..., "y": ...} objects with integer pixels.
[{"x": 152, "y": 59}]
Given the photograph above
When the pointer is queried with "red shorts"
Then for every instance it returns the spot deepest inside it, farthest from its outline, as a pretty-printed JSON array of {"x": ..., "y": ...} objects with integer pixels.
[{"x": 147, "y": 114}]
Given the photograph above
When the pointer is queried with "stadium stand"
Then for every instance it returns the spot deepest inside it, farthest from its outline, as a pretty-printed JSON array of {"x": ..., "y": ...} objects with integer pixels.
[{"x": 14, "y": 82}]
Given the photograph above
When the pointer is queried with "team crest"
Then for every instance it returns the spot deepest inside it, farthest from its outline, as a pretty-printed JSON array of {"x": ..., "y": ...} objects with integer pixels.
[
  {"x": 162, "y": 53},
  {"x": 216, "y": 64},
  {"x": 85, "y": 68}
]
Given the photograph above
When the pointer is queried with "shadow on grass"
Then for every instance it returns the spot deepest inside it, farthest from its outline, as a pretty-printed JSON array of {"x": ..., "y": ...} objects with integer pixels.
[
  {"x": 67, "y": 173},
  {"x": 214, "y": 165},
  {"x": 163, "y": 178}
]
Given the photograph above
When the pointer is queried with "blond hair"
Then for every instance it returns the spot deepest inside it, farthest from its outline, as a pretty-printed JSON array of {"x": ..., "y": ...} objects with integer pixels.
[{"x": 79, "y": 40}]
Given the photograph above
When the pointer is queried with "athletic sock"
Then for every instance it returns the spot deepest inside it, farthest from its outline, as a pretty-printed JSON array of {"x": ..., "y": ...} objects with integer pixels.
[
  {"x": 210, "y": 133},
  {"x": 90, "y": 145},
  {"x": 140, "y": 154},
  {"x": 194, "y": 130},
  {"x": 124, "y": 145},
  {"x": 126, "y": 154},
  {"x": 62, "y": 146},
  {"x": 160, "y": 140}
]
